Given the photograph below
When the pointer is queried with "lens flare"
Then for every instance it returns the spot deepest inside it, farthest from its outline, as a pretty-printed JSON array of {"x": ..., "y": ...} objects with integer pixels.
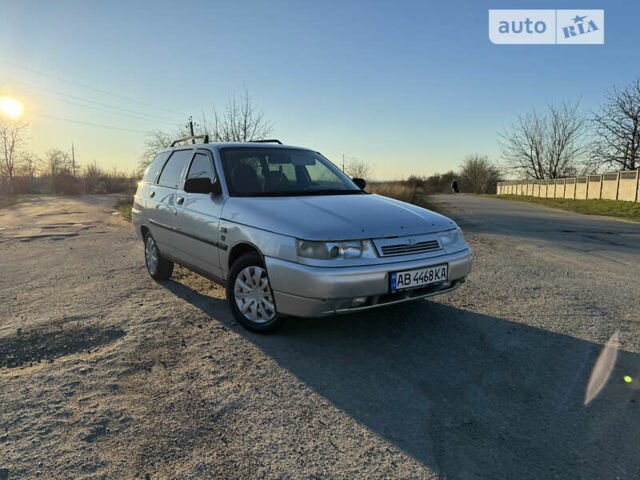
[
  {"x": 603, "y": 367},
  {"x": 10, "y": 107}
]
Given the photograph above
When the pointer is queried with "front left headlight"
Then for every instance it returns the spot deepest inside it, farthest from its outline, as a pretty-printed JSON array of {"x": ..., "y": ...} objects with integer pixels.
[
  {"x": 335, "y": 250},
  {"x": 452, "y": 240}
]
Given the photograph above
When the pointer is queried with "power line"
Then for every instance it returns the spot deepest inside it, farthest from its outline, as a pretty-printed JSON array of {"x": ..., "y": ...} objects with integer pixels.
[
  {"x": 31, "y": 86},
  {"x": 133, "y": 116},
  {"x": 99, "y": 125},
  {"x": 77, "y": 84}
]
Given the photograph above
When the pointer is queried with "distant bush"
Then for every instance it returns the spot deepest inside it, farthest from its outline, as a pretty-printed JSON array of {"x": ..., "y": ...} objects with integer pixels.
[
  {"x": 417, "y": 182},
  {"x": 58, "y": 179},
  {"x": 97, "y": 180}
]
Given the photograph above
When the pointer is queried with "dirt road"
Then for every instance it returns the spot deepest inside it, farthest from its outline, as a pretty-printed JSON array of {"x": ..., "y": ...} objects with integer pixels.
[{"x": 107, "y": 374}]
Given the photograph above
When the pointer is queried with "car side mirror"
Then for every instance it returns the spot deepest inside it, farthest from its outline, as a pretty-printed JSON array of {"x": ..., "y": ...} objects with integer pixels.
[
  {"x": 360, "y": 182},
  {"x": 216, "y": 189},
  {"x": 202, "y": 185}
]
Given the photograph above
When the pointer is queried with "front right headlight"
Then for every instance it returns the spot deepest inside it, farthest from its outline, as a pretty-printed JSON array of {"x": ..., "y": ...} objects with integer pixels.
[
  {"x": 452, "y": 240},
  {"x": 335, "y": 250}
]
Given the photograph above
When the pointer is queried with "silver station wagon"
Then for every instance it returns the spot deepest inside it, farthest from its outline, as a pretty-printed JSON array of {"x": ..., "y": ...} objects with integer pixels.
[{"x": 289, "y": 234}]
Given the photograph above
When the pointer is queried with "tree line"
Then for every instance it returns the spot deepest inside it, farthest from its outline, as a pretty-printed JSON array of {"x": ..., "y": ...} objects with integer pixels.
[
  {"x": 558, "y": 141},
  {"x": 476, "y": 174},
  {"x": 22, "y": 171},
  {"x": 561, "y": 141}
]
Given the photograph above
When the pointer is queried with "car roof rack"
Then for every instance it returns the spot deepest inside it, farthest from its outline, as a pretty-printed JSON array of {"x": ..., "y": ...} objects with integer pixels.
[
  {"x": 271, "y": 140},
  {"x": 205, "y": 139}
]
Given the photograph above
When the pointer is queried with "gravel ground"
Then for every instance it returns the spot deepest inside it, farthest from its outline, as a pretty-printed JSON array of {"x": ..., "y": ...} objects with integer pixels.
[{"x": 107, "y": 374}]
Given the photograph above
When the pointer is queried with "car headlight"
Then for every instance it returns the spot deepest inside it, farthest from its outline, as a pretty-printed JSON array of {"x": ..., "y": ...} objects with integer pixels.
[
  {"x": 452, "y": 240},
  {"x": 333, "y": 250}
]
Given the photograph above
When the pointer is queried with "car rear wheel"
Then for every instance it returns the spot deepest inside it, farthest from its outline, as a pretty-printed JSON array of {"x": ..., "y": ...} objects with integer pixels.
[
  {"x": 250, "y": 297},
  {"x": 158, "y": 267}
]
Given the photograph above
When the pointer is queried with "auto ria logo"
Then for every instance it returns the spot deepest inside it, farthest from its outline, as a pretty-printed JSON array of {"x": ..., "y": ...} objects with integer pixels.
[
  {"x": 579, "y": 24},
  {"x": 546, "y": 27}
]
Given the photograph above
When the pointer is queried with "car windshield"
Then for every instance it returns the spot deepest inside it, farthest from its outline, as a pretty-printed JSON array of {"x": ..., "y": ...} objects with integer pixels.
[{"x": 268, "y": 171}]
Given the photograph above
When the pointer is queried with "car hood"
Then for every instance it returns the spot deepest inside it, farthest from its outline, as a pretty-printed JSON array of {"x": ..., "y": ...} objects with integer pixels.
[{"x": 334, "y": 217}]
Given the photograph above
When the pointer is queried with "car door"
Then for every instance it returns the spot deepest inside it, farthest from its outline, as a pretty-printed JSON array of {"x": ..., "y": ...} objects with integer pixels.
[
  {"x": 163, "y": 218},
  {"x": 199, "y": 218}
]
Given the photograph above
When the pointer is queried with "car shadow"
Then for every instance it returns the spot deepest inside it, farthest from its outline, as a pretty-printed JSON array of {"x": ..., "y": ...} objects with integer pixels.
[{"x": 468, "y": 395}]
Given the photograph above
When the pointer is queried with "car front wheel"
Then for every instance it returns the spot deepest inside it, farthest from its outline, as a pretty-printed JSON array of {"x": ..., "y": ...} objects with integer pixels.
[{"x": 250, "y": 297}]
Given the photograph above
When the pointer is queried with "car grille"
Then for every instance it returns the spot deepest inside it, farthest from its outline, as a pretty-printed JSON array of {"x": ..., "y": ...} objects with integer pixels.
[{"x": 409, "y": 248}]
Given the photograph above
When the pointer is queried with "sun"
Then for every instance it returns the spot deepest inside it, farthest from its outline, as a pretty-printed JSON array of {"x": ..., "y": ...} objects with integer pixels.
[{"x": 10, "y": 107}]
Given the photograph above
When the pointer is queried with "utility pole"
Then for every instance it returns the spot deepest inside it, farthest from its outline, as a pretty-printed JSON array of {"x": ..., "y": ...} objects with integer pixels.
[
  {"x": 193, "y": 141},
  {"x": 343, "y": 163},
  {"x": 73, "y": 160}
]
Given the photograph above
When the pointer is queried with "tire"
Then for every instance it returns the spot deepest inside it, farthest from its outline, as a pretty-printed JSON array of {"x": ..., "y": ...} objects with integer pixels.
[
  {"x": 158, "y": 267},
  {"x": 251, "y": 301}
]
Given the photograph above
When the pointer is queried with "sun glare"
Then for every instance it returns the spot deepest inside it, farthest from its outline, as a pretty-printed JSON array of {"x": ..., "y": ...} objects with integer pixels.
[{"x": 10, "y": 107}]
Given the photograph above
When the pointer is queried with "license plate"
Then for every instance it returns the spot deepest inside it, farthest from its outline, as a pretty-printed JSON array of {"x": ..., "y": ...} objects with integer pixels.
[{"x": 418, "y": 277}]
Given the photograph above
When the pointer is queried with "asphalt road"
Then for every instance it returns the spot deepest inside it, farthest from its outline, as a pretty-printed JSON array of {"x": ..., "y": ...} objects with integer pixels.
[
  {"x": 107, "y": 374},
  {"x": 605, "y": 237}
]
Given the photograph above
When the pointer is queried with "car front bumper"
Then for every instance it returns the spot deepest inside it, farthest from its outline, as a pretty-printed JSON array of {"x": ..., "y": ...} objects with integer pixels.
[{"x": 306, "y": 291}]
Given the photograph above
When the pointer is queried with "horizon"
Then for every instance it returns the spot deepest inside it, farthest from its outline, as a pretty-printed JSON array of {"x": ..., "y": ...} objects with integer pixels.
[{"x": 356, "y": 81}]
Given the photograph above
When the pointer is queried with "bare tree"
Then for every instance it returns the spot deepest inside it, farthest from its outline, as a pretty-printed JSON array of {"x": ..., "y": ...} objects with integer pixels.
[
  {"x": 156, "y": 141},
  {"x": 478, "y": 175},
  {"x": 240, "y": 121},
  {"x": 550, "y": 145},
  {"x": 356, "y": 168},
  {"x": 30, "y": 166},
  {"x": 58, "y": 164},
  {"x": 11, "y": 138},
  {"x": 618, "y": 128}
]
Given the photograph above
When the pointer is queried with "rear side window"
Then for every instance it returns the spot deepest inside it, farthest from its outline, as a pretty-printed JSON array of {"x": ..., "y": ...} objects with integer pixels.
[
  {"x": 152, "y": 171},
  {"x": 172, "y": 171}
]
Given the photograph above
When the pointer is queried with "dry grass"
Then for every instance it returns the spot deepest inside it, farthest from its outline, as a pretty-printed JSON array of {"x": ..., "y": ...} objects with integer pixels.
[
  {"x": 123, "y": 205},
  {"x": 399, "y": 191}
]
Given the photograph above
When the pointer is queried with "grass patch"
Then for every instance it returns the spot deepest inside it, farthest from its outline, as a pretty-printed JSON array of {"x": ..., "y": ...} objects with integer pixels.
[
  {"x": 124, "y": 205},
  {"x": 610, "y": 208}
]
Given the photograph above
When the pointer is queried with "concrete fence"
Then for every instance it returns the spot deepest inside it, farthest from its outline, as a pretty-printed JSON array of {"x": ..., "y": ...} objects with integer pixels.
[{"x": 623, "y": 186}]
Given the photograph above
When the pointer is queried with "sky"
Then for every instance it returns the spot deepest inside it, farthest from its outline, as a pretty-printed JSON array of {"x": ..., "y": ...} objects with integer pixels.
[{"x": 410, "y": 87}]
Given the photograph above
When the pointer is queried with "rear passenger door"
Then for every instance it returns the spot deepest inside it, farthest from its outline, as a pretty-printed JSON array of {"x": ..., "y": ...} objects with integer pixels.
[
  {"x": 199, "y": 222},
  {"x": 163, "y": 219}
]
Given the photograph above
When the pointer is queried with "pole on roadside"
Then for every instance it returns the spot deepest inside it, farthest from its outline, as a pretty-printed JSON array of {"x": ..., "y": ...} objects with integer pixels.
[{"x": 73, "y": 159}]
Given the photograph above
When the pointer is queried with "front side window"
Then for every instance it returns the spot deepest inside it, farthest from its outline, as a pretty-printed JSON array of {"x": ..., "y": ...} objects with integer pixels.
[
  {"x": 201, "y": 167},
  {"x": 172, "y": 171},
  {"x": 257, "y": 172}
]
